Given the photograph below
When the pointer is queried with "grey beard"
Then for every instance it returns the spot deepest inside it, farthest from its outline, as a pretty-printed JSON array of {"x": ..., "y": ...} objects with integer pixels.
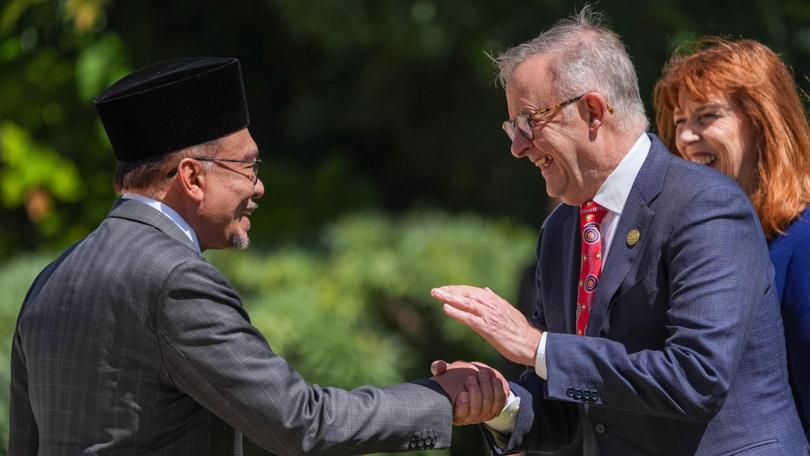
[{"x": 240, "y": 242}]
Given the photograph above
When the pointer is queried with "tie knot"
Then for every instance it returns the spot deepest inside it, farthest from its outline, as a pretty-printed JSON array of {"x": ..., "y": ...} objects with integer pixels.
[{"x": 591, "y": 212}]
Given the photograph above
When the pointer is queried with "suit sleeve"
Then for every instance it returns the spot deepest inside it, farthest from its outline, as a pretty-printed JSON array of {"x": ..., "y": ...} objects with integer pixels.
[
  {"x": 213, "y": 353},
  {"x": 23, "y": 433},
  {"x": 716, "y": 267},
  {"x": 23, "y": 430}
]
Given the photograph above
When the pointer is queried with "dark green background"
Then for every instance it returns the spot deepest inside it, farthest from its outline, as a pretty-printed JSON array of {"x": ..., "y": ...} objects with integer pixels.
[{"x": 386, "y": 104}]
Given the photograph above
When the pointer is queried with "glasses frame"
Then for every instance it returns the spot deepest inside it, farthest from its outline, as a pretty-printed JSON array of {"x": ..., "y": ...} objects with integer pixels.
[
  {"x": 254, "y": 164},
  {"x": 525, "y": 121}
]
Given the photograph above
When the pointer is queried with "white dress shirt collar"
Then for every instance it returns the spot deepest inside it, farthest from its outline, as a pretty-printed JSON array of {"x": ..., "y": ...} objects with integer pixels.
[
  {"x": 614, "y": 191},
  {"x": 170, "y": 213}
]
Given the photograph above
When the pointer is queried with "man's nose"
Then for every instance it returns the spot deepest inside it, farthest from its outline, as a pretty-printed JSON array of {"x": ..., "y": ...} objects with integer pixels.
[
  {"x": 520, "y": 145},
  {"x": 258, "y": 189}
]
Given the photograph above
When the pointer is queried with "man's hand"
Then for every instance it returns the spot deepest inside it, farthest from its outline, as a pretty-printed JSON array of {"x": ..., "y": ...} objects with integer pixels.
[
  {"x": 478, "y": 392},
  {"x": 494, "y": 319}
]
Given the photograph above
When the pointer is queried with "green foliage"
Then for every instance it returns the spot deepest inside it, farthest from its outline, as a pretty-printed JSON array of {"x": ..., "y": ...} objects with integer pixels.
[
  {"x": 54, "y": 177},
  {"x": 98, "y": 64},
  {"x": 357, "y": 309},
  {"x": 28, "y": 165}
]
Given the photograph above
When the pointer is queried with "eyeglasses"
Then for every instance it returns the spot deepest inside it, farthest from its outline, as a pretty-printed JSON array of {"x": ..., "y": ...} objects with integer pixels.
[
  {"x": 526, "y": 121},
  {"x": 254, "y": 164}
]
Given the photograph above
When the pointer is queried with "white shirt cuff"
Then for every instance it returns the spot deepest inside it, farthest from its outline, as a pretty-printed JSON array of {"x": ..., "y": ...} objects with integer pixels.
[
  {"x": 505, "y": 422},
  {"x": 540, "y": 358}
]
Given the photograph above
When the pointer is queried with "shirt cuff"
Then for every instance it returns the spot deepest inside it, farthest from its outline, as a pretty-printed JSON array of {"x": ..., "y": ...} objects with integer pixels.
[
  {"x": 505, "y": 422},
  {"x": 540, "y": 358}
]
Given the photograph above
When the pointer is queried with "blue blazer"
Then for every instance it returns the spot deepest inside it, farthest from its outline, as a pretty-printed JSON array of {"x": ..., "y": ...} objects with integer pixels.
[
  {"x": 684, "y": 352},
  {"x": 790, "y": 254}
]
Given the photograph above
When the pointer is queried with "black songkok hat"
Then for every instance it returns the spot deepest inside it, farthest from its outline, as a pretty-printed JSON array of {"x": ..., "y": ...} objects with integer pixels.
[{"x": 172, "y": 105}]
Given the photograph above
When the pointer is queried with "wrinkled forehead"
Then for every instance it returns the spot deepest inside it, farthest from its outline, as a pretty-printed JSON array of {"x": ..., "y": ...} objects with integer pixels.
[
  {"x": 531, "y": 82},
  {"x": 238, "y": 145}
]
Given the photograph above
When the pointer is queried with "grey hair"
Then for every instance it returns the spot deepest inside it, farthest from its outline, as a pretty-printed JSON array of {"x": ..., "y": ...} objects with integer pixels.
[
  {"x": 585, "y": 56},
  {"x": 150, "y": 174}
]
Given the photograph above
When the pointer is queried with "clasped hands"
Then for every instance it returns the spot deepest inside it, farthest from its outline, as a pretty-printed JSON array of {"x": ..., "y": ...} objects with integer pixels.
[
  {"x": 478, "y": 392},
  {"x": 505, "y": 328}
]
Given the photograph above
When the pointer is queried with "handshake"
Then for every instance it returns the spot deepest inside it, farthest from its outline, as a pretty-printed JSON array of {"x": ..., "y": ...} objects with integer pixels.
[{"x": 478, "y": 392}]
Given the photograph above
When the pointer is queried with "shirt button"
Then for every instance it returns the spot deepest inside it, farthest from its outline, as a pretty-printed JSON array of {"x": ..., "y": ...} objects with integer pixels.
[{"x": 599, "y": 428}]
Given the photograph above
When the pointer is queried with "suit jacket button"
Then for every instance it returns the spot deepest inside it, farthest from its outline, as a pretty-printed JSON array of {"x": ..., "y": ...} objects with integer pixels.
[
  {"x": 569, "y": 392},
  {"x": 599, "y": 428},
  {"x": 577, "y": 394}
]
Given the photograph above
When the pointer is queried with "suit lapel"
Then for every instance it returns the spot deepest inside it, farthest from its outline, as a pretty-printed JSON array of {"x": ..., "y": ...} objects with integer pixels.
[
  {"x": 638, "y": 215},
  {"x": 571, "y": 265}
]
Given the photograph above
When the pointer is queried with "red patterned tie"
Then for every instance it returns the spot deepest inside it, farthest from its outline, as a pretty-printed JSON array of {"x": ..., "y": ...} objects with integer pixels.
[{"x": 590, "y": 219}]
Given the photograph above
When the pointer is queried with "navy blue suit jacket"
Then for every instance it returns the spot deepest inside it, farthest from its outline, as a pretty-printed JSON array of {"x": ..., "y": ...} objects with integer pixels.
[{"x": 684, "y": 353}]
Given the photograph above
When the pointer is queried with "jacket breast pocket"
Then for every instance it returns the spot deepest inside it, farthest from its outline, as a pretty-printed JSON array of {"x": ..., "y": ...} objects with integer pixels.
[{"x": 637, "y": 315}]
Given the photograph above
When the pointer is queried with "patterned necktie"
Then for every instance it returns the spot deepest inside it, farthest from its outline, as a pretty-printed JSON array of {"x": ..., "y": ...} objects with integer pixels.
[{"x": 590, "y": 219}]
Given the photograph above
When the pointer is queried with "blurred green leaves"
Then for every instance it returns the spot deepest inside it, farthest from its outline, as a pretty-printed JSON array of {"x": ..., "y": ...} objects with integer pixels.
[
  {"x": 34, "y": 176},
  {"x": 99, "y": 65},
  {"x": 29, "y": 166},
  {"x": 54, "y": 167}
]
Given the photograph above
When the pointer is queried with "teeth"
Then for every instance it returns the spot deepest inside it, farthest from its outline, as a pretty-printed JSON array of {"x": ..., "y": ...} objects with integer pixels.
[
  {"x": 543, "y": 162},
  {"x": 704, "y": 159}
]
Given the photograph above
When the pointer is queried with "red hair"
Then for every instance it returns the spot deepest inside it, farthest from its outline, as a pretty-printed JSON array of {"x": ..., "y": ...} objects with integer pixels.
[{"x": 757, "y": 79}]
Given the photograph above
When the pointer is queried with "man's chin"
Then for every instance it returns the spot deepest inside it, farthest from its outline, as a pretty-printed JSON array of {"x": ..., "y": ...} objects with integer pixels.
[{"x": 240, "y": 241}]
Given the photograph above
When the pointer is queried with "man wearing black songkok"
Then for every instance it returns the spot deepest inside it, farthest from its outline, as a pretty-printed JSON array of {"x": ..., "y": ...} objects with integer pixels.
[{"x": 130, "y": 343}]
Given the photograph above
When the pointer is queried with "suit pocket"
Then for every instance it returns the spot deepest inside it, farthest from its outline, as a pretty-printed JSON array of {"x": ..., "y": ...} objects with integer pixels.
[
  {"x": 635, "y": 297},
  {"x": 637, "y": 316},
  {"x": 768, "y": 447}
]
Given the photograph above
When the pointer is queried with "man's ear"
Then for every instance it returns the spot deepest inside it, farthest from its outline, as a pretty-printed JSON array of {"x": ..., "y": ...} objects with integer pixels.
[
  {"x": 597, "y": 110},
  {"x": 191, "y": 178}
]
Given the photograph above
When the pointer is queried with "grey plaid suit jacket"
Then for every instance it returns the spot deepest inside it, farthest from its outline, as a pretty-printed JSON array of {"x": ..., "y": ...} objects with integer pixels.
[
  {"x": 130, "y": 343},
  {"x": 684, "y": 352}
]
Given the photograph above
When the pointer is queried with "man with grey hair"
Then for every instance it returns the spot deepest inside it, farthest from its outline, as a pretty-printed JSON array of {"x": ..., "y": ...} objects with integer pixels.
[{"x": 675, "y": 346}]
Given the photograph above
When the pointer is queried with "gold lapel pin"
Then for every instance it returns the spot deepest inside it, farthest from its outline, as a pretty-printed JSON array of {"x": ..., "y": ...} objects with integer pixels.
[{"x": 633, "y": 237}]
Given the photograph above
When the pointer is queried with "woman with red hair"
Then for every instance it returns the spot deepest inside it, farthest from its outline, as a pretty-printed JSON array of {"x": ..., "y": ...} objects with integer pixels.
[{"x": 734, "y": 106}]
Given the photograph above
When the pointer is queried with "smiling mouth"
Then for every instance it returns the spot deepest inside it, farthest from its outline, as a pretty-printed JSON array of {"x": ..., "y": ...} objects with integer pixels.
[
  {"x": 543, "y": 162},
  {"x": 704, "y": 159}
]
